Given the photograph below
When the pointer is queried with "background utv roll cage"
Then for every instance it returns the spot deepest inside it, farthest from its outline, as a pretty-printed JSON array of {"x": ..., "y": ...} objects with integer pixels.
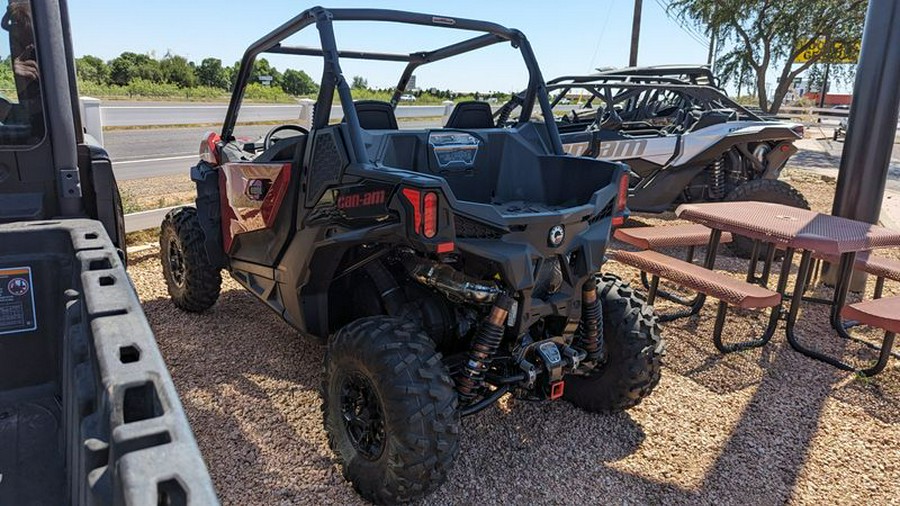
[
  {"x": 332, "y": 76},
  {"x": 601, "y": 86}
]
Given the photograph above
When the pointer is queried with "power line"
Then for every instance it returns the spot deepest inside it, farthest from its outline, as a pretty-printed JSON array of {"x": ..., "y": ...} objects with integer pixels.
[
  {"x": 695, "y": 36},
  {"x": 600, "y": 37}
]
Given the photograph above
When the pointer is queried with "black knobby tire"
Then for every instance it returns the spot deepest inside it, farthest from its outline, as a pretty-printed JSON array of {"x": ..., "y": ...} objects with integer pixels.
[
  {"x": 763, "y": 190},
  {"x": 193, "y": 282},
  {"x": 634, "y": 353},
  {"x": 409, "y": 388}
]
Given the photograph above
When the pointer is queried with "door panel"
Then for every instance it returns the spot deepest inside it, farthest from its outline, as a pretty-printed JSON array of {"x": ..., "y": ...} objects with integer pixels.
[{"x": 253, "y": 194}]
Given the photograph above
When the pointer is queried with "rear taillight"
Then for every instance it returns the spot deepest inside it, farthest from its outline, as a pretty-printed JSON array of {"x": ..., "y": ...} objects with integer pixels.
[
  {"x": 619, "y": 216},
  {"x": 415, "y": 198},
  {"x": 209, "y": 152},
  {"x": 430, "y": 215},
  {"x": 425, "y": 211}
]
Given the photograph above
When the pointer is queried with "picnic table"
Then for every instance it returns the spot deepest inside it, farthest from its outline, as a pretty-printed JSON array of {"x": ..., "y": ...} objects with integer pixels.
[{"x": 791, "y": 229}]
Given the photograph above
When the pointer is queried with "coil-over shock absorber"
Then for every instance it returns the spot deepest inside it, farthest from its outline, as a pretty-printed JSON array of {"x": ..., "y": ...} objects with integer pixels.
[
  {"x": 590, "y": 330},
  {"x": 716, "y": 171},
  {"x": 484, "y": 346}
]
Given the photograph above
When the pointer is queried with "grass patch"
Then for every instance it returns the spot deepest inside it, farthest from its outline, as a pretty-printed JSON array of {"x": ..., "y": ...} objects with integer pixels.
[{"x": 142, "y": 237}]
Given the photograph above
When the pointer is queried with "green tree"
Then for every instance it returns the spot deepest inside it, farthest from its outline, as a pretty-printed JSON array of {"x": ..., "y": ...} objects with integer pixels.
[
  {"x": 262, "y": 67},
  {"x": 92, "y": 69},
  {"x": 297, "y": 82},
  {"x": 177, "y": 70},
  {"x": 359, "y": 83},
  {"x": 211, "y": 73},
  {"x": 768, "y": 35},
  {"x": 130, "y": 66}
]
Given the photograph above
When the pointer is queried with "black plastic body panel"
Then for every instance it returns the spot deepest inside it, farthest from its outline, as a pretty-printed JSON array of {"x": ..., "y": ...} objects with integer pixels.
[{"x": 88, "y": 412}]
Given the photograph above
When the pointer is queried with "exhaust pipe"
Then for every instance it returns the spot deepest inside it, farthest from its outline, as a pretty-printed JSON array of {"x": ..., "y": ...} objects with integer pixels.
[{"x": 452, "y": 283}]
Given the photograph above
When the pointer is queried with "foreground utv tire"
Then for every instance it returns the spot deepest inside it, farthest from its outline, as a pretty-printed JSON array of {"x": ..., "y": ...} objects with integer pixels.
[
  {"x": 193, "y": 283},
  {"x": 763, "y": 190},
  {"x": 634, "y": 353},
  {"x": 390, "y": 409}
]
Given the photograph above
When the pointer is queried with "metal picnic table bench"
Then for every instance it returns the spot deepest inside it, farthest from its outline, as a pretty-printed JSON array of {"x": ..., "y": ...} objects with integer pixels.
[{"x": 790, "y": 229}]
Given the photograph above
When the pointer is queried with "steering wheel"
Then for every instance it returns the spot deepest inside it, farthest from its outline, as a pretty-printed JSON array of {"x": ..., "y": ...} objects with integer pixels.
[
  {"x": 270, "y": 136},
  {"x": 607, "y": 119}
]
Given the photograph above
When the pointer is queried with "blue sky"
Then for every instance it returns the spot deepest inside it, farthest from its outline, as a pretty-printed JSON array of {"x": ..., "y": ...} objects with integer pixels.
[{"x": 568, "y": 37}]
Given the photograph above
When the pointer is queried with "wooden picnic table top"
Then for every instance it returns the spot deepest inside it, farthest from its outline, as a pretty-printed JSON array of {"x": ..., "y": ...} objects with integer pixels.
[{"x": 790, "y": 226}]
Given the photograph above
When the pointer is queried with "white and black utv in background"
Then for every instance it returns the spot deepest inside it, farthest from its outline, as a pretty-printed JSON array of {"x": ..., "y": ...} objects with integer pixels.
[
  {"x": 444, "y": 267},
  {"x": 682, "y": 137},
  {"x": 88, "y": 412}
]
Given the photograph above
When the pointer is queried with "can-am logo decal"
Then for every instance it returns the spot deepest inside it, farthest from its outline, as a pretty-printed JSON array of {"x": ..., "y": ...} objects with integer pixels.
[
  {"x": 361, "y": 199},
  {"x": 557, "y": 234},
  {"x": 622, "y": 149}
]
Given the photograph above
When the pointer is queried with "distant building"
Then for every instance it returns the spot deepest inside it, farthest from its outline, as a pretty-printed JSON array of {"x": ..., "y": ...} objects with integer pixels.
[{"x": 832, "y": 98}]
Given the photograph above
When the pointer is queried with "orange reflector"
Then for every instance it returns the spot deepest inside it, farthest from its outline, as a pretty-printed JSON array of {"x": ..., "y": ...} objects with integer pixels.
[
  {"x": 557, "y": 389},
  {"x": 622, "y": 198},
  {"x": 208, "y": 148},
  {"x": 430, "y": 214},
  {"x": 618, "y": 221},
  {"x": 445, "y": 247}
]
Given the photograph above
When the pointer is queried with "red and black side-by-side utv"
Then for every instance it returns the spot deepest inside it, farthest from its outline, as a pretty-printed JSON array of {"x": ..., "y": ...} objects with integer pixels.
[{"x": 445, "y": 267}]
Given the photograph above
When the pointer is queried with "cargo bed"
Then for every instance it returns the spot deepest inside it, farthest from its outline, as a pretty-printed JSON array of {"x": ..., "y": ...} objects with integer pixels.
[{"x": 88, "y": 412}]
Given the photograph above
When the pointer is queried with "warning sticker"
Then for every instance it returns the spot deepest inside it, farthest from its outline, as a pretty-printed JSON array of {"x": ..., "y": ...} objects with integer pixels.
[{"x": 16, "y": 300}]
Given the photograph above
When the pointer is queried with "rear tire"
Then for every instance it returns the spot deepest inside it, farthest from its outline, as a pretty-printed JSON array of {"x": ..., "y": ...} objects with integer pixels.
[
  {"x": 634, "y": 353},
  {"x": 763, "y": 190},
  {"x": 390, "y": 409},
  {"x": 193, "y": 282}
]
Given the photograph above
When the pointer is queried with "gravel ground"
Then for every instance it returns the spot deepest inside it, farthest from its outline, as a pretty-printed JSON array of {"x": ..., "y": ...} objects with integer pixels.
[
  {"x": 157, "y": 192},
  {"x": 757, "y": 427}
]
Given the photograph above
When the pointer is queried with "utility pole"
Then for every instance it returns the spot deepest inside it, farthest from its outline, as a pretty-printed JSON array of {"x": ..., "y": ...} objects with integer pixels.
[
  {"x": 824, "y": 88},
  {"x": 873, "y": 116},
  {"x": 635, "y": 33}
]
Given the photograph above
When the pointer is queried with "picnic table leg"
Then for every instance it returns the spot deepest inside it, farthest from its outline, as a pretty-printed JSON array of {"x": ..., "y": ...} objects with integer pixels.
[
  {"x": 700, "y": 300},
  {"x": 840, "y": 299},
  {"x": 775, "y": 314},
  {"x": 712, "y": 249},
  {"x": 879, "y": 287},
  {"x": 673, "y": 297},
  {"x": 754, "y": 258},
  {"x": 841, "y": 289},
  {"x": 796, "y": 301},
  {"x": 767, "y": 267}
]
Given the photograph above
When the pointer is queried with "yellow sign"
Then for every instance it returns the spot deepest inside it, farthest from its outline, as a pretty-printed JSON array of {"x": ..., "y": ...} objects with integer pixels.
[{"x": 840, "y": 52}]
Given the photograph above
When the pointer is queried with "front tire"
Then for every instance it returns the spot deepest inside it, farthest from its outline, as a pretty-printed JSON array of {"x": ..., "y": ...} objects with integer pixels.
[
  {"x": 193, "y": 282},
  {"x": 763, "y": 190},
  {"x": 634, "y": 353},
  {"x": 390, "y": 409}
]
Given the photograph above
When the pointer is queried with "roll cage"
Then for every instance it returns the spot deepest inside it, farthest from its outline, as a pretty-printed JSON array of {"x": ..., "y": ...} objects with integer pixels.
[
  {"x": 687, "y": 74},
  {"x": 333, "y": 79},
  {"x": 638, "y": 89}
]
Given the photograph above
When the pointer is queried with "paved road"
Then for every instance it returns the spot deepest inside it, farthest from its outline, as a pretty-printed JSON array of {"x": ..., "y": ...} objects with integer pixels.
[
  {"x": 119, "y": 114},
  {"x": 173, "y": 113},
  {"x": 138, "y": 154},
  {"x": 823, "y": 156}
]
